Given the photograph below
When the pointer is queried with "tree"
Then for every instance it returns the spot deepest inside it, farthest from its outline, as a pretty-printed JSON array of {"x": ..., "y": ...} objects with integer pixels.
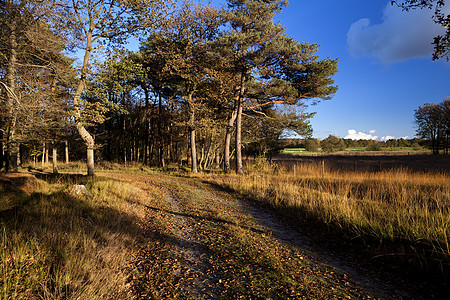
[
  {"x": 441, "y": 17},
  {"x": 270, "y": 67},
  {"x": 311, "y": 145},
  {"x": 432, "y": 121},
  {"x": 332, "y": 144},
  {"x": 102, "y": 22},
  {"x": 180, "y": 52},
  {"x": 33, "y": 94}
]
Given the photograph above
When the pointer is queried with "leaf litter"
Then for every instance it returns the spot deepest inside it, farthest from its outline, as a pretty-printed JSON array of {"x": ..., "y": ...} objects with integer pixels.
[{"x": 202, "y": 243}]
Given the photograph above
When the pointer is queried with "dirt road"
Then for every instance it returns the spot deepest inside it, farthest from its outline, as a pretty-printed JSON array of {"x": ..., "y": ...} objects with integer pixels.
[{"x": 203, "y": 243}]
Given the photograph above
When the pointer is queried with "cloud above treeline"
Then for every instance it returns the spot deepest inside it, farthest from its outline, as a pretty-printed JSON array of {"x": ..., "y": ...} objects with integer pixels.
[
  {"x": 353, "y": 135},
  {"x": 400, "y": 36},
  {"x": 358, "y": 135}
]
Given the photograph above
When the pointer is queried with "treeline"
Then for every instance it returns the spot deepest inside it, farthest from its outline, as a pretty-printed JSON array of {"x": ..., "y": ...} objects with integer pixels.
[
  {"x": 206, "y": 85},
  {"x": 433, "y": 124},
  {"x": 334, "y": 144}
]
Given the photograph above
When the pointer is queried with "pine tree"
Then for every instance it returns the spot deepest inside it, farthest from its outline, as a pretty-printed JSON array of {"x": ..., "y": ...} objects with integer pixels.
[{"x": 272, "y": 68}]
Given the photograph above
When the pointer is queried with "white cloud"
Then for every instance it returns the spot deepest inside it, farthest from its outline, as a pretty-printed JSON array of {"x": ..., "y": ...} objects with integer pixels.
[
  {"x": 400, "y": 36},
  {"x": 372, "y": 131},
  {"x": 352, "y": 134},
  {"x": 388, "y": 137}
]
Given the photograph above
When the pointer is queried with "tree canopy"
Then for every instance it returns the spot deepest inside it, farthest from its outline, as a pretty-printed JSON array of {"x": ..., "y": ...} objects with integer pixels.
[{"x": 202, "y": 79}]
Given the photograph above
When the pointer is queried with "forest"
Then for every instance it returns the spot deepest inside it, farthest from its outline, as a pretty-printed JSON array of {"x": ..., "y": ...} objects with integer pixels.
[{"x": 206, "y": 84}]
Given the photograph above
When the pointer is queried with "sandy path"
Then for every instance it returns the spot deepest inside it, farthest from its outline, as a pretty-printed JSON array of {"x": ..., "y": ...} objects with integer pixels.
[{"x": 206, "y": 244}]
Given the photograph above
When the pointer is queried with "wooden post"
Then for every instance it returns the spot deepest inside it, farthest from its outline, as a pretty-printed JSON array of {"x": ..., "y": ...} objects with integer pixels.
[{"x": 295, "y": 165}]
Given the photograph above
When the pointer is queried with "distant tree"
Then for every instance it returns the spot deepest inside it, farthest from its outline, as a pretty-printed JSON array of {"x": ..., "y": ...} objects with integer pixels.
[
  {"x": 374, "y": 146},
  {"x": 432, "y": 123},
  {"x": 441, "y": 17},
  {"x": 311, "y": 145},
  {"x": 332, "y": 144}
]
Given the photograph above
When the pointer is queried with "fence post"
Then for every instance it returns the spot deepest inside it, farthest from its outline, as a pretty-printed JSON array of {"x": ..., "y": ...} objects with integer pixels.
[{"x": 295, "y": 165}]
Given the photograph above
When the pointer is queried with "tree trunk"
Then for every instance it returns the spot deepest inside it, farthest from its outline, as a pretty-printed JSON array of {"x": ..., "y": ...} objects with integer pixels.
[
  {"x": 43, "y": 154},
  {"x": 46, "y": 153},
  {"x": 162, "y": 162},
  {"x": 55, "y": 159},
  {"x": 229, "y": 132},
  {"x": 239, "y": 166},
  {"x": 1, "y": 150},
  {"x": 90, "y": 162},
  {"x": 11, "y": 117},
  {"x": 192, "y": 134},
  {"x": 85, "y": 135},
  {"x": 66, "y": 150},
  {"x": 217, "y": 158}
]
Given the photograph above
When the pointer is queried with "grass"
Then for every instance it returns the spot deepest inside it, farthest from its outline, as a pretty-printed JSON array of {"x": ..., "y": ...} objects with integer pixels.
[
  {"x": 64, "y": 246},
  {"x": 392, "y": 206},
  {"x": 355, "y": 150}
]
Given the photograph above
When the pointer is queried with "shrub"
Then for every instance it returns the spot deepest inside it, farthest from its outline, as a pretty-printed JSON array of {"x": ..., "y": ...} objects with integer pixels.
[
  {"x": 332, "y": 144},
  {"x": 311, "y": 145}
]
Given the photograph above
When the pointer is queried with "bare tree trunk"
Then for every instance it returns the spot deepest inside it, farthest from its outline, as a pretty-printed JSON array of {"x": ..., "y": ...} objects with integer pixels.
[
  {"x": 55, "y": 159},
  {"x": 1, "y": 150},
  {"x": 11, "y": 118},
  {"x": 239, "y": 166},
  {"x": 229, "y": 132},
  {"x": 90, "y": 161},
  {"x": 162, "y": 162},
  {"x": 43, "y": 154},
  {"x": 192, "y": 134},
  {"x": 217, "y": 157},
  {"x": 66, "y": 150},
  {"x": 46, "y": 153},
  {"x": 85, "y": 135}
]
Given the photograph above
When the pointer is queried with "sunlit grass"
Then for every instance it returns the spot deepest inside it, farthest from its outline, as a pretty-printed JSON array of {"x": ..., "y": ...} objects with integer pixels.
[
  {"x": 392, "y": 205},
  {"x": 63, "y": 246}
]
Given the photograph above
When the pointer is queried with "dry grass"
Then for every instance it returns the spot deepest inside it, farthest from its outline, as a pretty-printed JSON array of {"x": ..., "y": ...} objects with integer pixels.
[
  {"x": 391, "y": 205},
  {"x": 64, "y": 246}
]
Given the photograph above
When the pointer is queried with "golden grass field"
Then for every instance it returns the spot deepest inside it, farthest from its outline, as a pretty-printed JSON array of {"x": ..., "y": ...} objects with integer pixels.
[{"x": 392, "y": 205}]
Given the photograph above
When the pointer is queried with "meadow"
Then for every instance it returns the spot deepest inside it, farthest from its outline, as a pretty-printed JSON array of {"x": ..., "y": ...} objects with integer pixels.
[
  {"x": 402, "y": 213},
  {"x": 59, "y": 245}
]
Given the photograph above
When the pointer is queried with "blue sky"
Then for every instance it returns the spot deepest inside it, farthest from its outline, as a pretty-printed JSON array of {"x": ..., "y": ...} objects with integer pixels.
[{"x": 385, "y": 65}]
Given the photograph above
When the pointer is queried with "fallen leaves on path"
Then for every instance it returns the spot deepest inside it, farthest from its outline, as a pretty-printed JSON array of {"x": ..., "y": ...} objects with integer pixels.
[{"x": 202, "y": 243}]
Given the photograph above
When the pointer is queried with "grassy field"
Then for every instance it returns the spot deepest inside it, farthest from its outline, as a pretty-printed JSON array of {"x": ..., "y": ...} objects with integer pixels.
[
  {"x": 390, "y": 150},
  {"x": 57, "y": 245},
  {"x": 410, "y": 209}
]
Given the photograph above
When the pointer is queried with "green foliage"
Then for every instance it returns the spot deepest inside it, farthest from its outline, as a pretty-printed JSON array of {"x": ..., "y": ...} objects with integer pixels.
[
  {"x": 374, "y": 146},
  {"x": 332, "y": 144},
  {"x": 433, "y": 124},
  {"x": 311, "y": 145}
]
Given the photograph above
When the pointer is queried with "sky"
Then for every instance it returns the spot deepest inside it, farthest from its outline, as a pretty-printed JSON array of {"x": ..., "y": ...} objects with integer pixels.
[{"x": 385, "y": 66}]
